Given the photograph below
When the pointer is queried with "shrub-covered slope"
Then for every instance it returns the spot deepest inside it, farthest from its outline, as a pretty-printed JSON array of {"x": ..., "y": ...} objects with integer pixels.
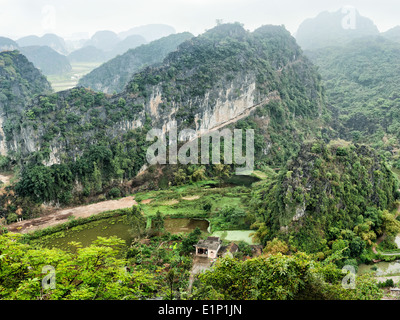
[{"x": 326, "y": 193}]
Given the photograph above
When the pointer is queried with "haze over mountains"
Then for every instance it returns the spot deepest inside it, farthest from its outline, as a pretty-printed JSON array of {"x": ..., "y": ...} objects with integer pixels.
[
  {"x": 360, "y": 69},
  {"x": 53, "y": 55},
  {"x": 57, "y": 59},
  {"x": 115, "y": 74},
  {"x": 319, "y": 113}
]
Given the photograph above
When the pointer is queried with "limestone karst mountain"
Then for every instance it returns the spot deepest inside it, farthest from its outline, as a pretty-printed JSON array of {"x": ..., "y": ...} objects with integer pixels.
[{"x": 334, "y": 28}]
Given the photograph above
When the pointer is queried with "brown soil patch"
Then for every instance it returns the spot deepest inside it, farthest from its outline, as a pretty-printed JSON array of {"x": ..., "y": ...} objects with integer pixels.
[
  {"x": 147, "y": 201},
  {"x": 170, "y": 202},
  {"x": 61, "y": 216},
  {"x": 5, "y": 179},
  {"x": 191, "y": 198}
]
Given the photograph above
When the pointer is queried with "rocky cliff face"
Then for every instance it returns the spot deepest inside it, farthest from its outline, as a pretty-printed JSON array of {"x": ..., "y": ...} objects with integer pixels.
[
  {"x": 20, "y": 81},
  {"x": 210, "y": 81}
]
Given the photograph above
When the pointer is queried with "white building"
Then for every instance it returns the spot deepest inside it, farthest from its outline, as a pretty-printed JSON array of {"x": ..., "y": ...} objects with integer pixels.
[{"x": 208, "y": 248}]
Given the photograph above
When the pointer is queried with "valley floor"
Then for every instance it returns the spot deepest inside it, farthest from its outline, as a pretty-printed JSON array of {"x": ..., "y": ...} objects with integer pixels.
[{"x": 61, "y": 216}]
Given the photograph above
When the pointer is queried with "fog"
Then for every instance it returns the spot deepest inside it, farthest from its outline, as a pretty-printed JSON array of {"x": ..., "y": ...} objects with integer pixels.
[{"x": 73, "y": 18}]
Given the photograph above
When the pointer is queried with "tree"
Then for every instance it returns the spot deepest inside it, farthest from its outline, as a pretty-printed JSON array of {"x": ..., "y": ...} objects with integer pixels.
[
  {"x": 36, "y": 182},
  {"x": 281, "y": 277},
  {"x": 12, "y": 217},
  {"x": 191, "y": 239},
  {"x": 171, "y": 277},
  {"x": 390, "y": 225},
  {"x": 180, "y": 177},
  {"x": 199, "y": 174},
  {"x": 158, "y": 222},
  {"x": 261, "y": 233},
  {"x": 136, "y": 220},
  {"x": 221, "y": 171},
  {"x": 91, "y": 273},
  {"x": 276, "y": 246}
]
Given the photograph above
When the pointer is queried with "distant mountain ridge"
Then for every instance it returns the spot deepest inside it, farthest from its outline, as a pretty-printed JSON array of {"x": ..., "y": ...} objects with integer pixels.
[
  {"x": 116, "y": 73},
  {"x": 7, "y": 44},
  {"x": 392, "y": 34},
  {"x": 50, "y": 40},
  {"x": 150, "y": 32},
  {"x": 334, "y": 28},
  {"x": 46, "y": 59}
]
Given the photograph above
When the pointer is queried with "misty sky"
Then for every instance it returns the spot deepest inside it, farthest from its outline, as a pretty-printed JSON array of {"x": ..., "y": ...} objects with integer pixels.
[{"x": 65, "y": 17}]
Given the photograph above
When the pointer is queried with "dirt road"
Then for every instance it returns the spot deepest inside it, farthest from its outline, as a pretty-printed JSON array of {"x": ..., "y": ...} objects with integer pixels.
[
  {"x": 61, "y": 216},
  {"x": 200, "y": 264}
]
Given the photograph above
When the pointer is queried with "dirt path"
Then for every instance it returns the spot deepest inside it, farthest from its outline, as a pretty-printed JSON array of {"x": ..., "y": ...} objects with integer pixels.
[
  {"x": 61, "y": 216},
  {"x": 200, "y": 264}
]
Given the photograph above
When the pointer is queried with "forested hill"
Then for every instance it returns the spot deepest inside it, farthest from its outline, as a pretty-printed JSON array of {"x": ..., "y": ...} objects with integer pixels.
[
  {"x": 362, "y": 81},
  {"x": 20, "y": 82},
  {"x": 47, "y": 60},
  {"x": 113, "y": 75},
  {"x": 92, "y": 140},
  {"x": 336, "y": 195}
]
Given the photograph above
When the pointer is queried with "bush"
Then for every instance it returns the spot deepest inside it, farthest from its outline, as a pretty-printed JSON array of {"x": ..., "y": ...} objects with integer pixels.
[
  {"x": 12, "y": 217},
  {"x": 207, "y": 206},
  {"x": 386, "y": 284},
  {"x": 114, "y": 193}
]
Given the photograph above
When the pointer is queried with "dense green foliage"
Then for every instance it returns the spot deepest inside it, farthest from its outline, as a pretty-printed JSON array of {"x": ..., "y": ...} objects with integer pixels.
[
  {"x": 330, "y": 194},
  {"x": 114, "y": 159},
  {"x": 157, "y": 268},
  {"x": 330, "y": 200},
  {"x": 89, "y": 133},
  {"x": 20, "y": 82},
  {"x": 280, "y": 277},
  {"x": 362, "y": 87},
  {"x": 94, "y": 272}
]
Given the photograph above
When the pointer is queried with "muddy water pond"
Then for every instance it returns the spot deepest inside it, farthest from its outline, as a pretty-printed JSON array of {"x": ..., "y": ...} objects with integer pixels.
[
  {"x": 380, "y": 268},
  {"x": 87, "y": 233},
  {"x": 175, "y": 226}
]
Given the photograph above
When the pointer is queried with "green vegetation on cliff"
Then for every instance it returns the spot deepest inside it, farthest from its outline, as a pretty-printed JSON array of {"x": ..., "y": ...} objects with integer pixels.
[
  {"x": 113, "y": 75},
  {"x": 362, "y": 87},
  {"x": 99, "y": 140},
  {"x": 329, "y": 198}
]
